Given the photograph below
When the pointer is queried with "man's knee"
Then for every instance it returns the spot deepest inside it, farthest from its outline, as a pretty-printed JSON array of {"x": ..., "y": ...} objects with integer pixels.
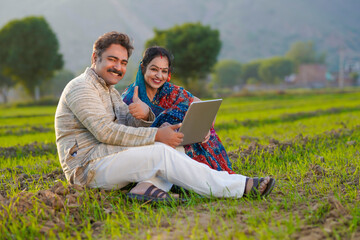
[
  {"x": 166, "y": 152},
  {"x": 163, "y": 147}
]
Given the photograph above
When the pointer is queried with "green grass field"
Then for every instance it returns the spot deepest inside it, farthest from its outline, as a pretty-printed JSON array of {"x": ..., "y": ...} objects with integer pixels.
[{"x": 309, "y": 142}]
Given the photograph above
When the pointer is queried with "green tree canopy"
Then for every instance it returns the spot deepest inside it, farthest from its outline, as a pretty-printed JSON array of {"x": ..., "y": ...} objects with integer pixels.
[
  {"x": 250, "y": 71},
  {"x": 30, "y": 51},
  {"x": 273, "y": 70},
  {"x": 354, "y": 76},
  {"x": 304, "y": 52},
  {"x": 195, "y": 48},
  {"x": 227, "y": 73}
]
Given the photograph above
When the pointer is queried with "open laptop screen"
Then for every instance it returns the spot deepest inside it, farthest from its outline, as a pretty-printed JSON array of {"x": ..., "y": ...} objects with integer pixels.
[{"x": 198, "y": 120}]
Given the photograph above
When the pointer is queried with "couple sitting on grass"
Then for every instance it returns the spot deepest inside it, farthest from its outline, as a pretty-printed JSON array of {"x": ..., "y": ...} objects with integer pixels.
[{"x": 107, "y": 142}]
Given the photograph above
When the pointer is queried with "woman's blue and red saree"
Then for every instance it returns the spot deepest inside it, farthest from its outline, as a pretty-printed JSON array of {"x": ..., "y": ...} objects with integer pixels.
[{"x": 170, "y": 105}]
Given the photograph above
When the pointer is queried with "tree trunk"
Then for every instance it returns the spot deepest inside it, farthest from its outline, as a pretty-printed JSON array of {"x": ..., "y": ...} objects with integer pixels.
[
  {"x": 37, "y": 93},
  {"x": 4, "y": 93}
]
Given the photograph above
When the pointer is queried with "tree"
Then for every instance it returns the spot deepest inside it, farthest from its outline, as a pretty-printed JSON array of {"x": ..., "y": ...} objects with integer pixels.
[
  {"x": 354, "y": 76},
  {"x": 5, "y": 84},
  {"x": 274, "y": 70},
  {"x": 56, "y": 85},
  {"x": 31, "y": 52},
  {"x": 304, "y": 52},
  {"x": 195, "y": 48},
  {"x": 227, "y": 73},
  {"x": 250, "y": 71}
]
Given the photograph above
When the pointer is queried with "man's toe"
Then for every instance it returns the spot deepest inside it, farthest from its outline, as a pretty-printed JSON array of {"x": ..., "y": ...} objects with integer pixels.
[{"x": 264, "y": 184}]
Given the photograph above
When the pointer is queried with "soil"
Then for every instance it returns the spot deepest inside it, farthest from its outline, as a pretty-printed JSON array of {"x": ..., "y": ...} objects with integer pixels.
[
  {"x": 321, "y": 217},
  {"x": 33, "y": 149}
]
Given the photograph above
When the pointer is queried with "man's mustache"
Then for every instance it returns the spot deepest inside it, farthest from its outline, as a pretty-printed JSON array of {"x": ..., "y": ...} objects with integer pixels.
[{"x": 115, "y": 71}]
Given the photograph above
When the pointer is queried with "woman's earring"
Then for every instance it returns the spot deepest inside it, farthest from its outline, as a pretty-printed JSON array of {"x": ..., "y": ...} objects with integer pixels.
[{"x": 169, "y": 77}]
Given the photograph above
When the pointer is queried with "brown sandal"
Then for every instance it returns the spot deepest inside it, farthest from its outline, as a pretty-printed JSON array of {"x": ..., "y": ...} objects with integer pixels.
[
  {"x": 156, "y": 196},
  {"x": 254, "y": 192}
]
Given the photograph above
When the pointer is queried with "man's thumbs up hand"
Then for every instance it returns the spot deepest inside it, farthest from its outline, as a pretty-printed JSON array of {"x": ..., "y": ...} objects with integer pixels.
[
  {"x": 136, "y": 94},
  {"x": 138, "y": 108}
]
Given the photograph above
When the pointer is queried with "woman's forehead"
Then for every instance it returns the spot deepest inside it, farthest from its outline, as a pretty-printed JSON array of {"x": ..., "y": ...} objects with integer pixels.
[{"x": 160, "y": 62}]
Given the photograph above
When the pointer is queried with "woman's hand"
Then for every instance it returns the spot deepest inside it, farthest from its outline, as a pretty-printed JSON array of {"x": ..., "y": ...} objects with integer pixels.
[
  {"x": 207, "y": 137},
  {"x": 196, "y": 99},
  {"x": 138, "y": 108}
]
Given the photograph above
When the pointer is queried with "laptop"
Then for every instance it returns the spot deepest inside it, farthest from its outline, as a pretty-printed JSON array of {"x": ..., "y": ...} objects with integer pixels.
[{"x": 198, "y": 120}]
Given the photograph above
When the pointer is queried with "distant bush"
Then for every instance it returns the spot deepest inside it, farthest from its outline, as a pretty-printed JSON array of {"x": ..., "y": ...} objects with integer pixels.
[
  {"x": 56, "y": 85},
  {"x": 227, "y": 74},
  {"x": 273, "y": 70},
  {"x": 45, "y": 101},
  {"x": 251, "y": 71},
  {"x": 304, "y": 52}
]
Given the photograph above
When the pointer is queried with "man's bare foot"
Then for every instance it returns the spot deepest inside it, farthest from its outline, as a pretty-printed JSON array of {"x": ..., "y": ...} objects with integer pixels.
[
  {"x": 141, "y": 188},
  {"x": 262, "y": 186}
]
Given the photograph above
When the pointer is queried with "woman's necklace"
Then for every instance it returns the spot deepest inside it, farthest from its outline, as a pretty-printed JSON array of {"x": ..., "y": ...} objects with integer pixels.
[{"x": 152, "y": 98}]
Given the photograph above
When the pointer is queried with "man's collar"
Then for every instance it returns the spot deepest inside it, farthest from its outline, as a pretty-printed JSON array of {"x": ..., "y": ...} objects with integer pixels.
[{"x": 91, "y": 72}]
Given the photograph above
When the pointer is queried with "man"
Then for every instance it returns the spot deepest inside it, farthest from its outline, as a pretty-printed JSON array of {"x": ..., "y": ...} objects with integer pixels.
[{"x": 104, "y": 143}]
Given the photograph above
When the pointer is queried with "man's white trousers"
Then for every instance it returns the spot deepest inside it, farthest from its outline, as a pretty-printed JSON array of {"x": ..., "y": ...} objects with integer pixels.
[{"x": 163, "y": 166}]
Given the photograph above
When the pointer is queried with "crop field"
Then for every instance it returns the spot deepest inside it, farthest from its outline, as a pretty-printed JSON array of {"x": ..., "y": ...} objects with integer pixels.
[{"x": 309, "y": 142}]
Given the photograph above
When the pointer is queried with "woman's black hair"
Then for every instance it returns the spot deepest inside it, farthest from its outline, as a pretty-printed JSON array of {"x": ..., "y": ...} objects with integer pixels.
[{"x": 153, "y": 52}]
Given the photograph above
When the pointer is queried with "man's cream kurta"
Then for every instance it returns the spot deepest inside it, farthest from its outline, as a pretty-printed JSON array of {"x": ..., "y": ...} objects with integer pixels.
[{"x": 92, "y": 122}]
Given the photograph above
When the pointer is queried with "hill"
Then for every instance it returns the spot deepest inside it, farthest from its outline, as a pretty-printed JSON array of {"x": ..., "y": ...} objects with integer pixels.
[{"x": 249, "y": 29}]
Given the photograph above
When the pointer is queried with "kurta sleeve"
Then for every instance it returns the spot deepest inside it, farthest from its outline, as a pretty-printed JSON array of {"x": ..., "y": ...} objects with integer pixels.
[
  {"x": 131, "y": 121},
  {"x": 87, "y": 105}
]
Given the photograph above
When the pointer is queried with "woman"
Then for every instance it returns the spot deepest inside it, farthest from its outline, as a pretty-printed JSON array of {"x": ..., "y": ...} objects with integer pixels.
[{"x": 170, "y": 103}]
